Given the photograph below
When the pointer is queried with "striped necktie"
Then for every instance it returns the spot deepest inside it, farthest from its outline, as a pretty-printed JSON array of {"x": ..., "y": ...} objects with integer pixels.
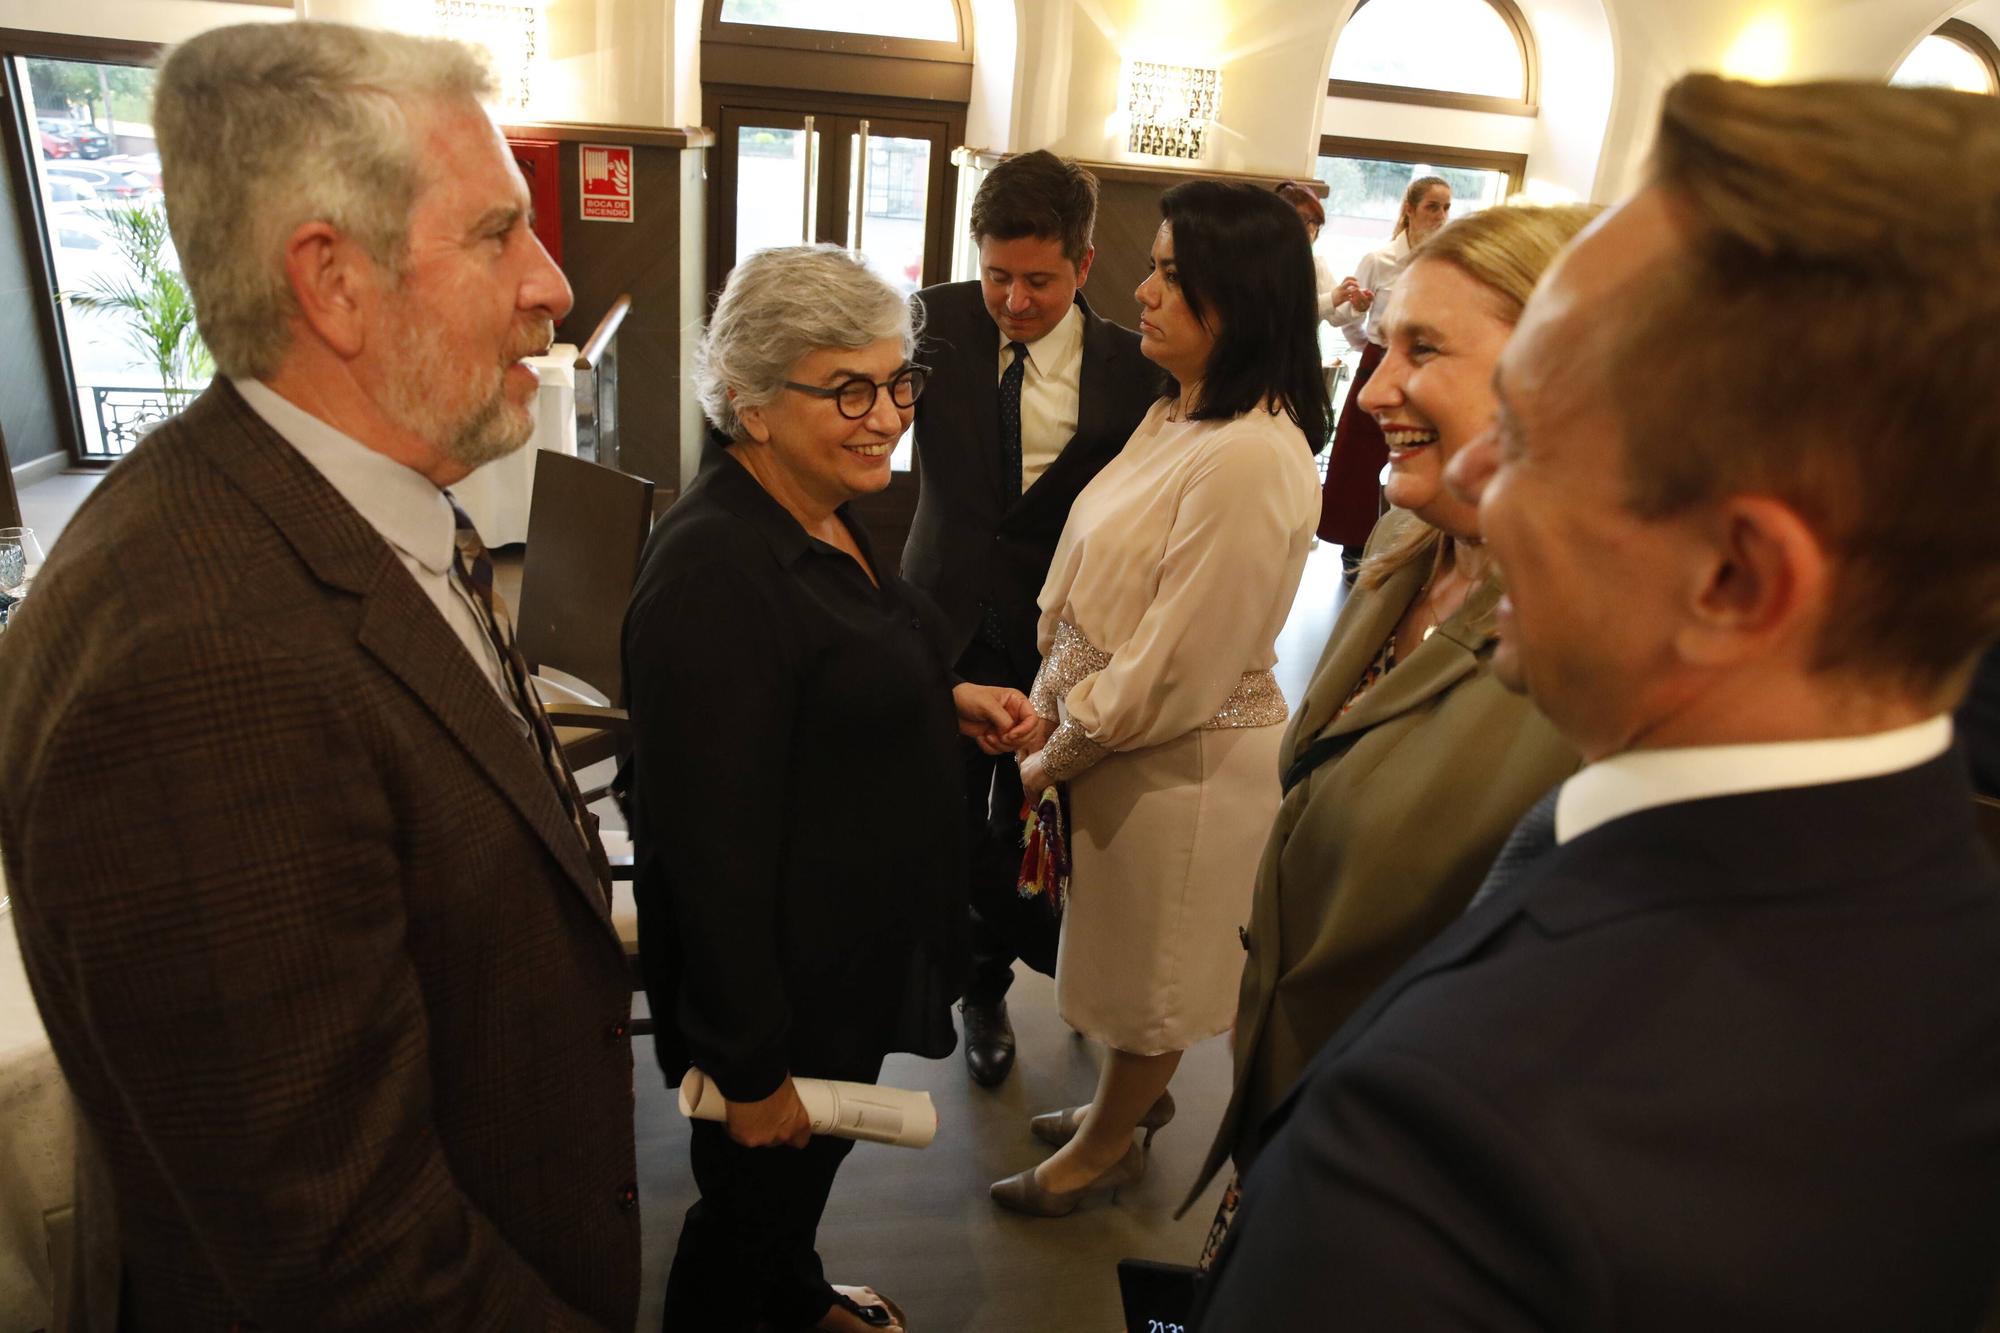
[{"x": 474, "y": 568}]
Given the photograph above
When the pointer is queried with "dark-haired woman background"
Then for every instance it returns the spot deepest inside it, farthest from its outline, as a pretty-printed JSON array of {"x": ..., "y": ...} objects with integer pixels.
[{"x": 1174, "y": 575}]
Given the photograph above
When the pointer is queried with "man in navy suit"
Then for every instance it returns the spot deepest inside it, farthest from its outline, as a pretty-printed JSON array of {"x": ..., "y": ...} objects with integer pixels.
[
  {"x": 1978, "y": 723},
  {"x": 1718, "y": 1047},
  {"x": 1030, "y": 395}
]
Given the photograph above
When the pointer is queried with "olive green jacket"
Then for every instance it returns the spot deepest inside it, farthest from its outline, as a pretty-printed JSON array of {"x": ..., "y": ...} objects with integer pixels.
[{"x": 1384, "y": 844}]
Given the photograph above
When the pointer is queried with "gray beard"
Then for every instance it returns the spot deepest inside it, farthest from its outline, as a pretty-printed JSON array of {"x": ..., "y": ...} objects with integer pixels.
[{"x": 489, "y": 432}]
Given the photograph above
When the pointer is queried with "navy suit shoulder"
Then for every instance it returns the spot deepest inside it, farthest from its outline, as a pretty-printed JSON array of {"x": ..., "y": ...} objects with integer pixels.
[
  {"x": 1726, "y": 1064},
  {"x": 1978, "y": 723}
]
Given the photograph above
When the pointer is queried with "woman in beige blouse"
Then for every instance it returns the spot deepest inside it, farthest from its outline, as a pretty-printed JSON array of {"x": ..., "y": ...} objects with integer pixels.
[{"x": 1174, "y": 574}]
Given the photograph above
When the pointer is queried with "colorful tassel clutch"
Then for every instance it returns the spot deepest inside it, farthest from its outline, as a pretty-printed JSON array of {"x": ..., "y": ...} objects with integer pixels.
[{"x": 1045, "y": 860}]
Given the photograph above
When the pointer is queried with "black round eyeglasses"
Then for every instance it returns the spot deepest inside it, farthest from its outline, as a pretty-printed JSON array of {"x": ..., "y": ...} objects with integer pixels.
[{"x": 856, "y": 397}]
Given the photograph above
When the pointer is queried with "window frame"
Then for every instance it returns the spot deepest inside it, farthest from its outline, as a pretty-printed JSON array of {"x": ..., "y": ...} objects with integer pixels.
[
  {"x": 1513, "y": 165},
  {"x": 1974, "y": 42},
  {"x": 867, "y": 64},
  {"x": 21, "y": 153},
  {"x": 1529, "y": 104}
]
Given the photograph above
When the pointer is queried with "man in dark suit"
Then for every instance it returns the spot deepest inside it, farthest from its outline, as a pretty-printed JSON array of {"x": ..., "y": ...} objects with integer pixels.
[
  {"x": 315, "y": 920},
  {"x": 1718, "y": 1046},
  {"x": 1030, "y": 395}
]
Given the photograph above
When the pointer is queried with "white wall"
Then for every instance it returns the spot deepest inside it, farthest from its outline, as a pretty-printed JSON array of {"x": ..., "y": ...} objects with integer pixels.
[
  {"x": 998, "y": 74},
  {"x": 1272, "y": 55},
  {"x": 611, "y": 62},
  {"x": 1984, "y": 15},
  {"x": 1578, "y": 61},
  {"x": 1766, "y": 39},
  {"x": 133, "y": 20}
]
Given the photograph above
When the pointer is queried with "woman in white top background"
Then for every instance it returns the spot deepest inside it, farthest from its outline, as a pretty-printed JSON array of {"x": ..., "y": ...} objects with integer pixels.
[
  {"x": 1174, "y": 574},
  {"x": 1351, "y": 498},
  {"x": 1327, "y": 291}
]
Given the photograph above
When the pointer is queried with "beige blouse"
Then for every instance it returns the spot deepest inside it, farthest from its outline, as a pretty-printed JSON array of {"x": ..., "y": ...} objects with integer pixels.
[{"x": 1179, "y": 563}]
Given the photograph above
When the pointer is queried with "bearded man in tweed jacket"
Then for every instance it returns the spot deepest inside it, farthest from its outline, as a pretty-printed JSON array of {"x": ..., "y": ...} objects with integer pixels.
[{"x": 317, "y": 928}]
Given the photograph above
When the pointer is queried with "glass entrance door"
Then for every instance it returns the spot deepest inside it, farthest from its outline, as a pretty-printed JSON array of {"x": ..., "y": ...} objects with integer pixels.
[
  {"x": 874, "y": 184},
  {"x": 879, "y": 185}
]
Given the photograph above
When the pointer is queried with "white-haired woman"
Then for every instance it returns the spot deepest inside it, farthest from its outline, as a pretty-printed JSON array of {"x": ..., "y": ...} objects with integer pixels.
[{"x": 796, "y": 783}]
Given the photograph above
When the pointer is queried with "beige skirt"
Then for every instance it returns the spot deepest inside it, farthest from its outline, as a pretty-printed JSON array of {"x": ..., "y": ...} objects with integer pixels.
[{"x": 1165, "y": 843}]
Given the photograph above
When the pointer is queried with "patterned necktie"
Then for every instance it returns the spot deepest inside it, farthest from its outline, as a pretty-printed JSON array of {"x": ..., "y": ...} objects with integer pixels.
[
  {"x": 1533, "y": 838},
  {"x": 1010, "y": 418},
  {"x": 474, "y": 568}
]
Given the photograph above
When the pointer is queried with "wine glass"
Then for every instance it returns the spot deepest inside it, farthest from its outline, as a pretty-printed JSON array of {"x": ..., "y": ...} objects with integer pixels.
[{"x": 20, "y": 561}]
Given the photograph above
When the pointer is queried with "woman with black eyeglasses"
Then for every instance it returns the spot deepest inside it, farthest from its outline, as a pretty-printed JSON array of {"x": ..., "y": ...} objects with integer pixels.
[{"x": 800, "y": 884}]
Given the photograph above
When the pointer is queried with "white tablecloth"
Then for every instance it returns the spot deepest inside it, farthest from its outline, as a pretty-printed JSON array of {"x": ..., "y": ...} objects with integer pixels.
[
  {"x": 496, "y": 496},
  {"x": 37, "y": 1142}
]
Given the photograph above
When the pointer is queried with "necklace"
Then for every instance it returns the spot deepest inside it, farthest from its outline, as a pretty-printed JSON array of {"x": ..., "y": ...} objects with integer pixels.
[{"x": 1429, "y": 605}]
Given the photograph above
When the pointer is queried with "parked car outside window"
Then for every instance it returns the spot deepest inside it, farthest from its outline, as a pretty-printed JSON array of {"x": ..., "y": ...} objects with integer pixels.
[{"x": 84, "y": 140}]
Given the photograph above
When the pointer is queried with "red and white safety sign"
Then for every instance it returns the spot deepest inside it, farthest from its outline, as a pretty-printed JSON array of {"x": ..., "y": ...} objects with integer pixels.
[{"x": 607, "y": 183}]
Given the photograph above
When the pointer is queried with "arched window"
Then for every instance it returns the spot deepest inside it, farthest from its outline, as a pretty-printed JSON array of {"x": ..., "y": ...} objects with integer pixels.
[
  {"x": 1469, "y": 54},
  {"x": 1957, "y": 55},
  {"x": 912, "y": 20}
]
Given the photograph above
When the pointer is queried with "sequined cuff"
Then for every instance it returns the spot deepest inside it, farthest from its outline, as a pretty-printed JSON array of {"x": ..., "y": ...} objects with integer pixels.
[
  {"x": 1046, "y": 695},
  {"x": 1069, "y": 752},
  {"x": 1072, "y": 659}
]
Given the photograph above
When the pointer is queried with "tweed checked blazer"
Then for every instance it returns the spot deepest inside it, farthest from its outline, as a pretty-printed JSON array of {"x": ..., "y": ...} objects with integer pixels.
[{"x": 319, "y": 951}]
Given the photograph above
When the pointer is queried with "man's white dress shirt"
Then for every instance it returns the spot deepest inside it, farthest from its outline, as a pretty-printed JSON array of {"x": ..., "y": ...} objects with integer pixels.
[{"x": 1639, "y": 780}]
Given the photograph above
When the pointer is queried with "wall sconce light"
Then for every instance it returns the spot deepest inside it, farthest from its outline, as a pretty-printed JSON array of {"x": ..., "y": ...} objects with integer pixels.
[
  {"x": 1169, "y": 108},
  {"x": 510, "y": 32}
]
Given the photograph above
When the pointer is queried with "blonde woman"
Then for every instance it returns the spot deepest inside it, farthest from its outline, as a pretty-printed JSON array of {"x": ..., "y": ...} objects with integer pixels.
[
  {"x": 1350, "y": 500},
  {"x": 1407, "y": 763}
]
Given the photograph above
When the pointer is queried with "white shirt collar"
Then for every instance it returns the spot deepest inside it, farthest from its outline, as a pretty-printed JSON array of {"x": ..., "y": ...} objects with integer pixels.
[
  {"x": 399, "y": 502},
  {"x": 1639, "y": 780},
  {"x": 1055, "y": 349}
]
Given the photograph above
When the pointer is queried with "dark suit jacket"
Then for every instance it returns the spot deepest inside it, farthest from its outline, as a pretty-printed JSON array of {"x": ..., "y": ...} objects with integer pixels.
[
  {"x": 1727, "y": 1064},
  {"x": 318, "y": 949},
  {"x": 1978, "y": 723},
  {"x": 968, "y": 546},
  {"x": 787, "y": 929}
]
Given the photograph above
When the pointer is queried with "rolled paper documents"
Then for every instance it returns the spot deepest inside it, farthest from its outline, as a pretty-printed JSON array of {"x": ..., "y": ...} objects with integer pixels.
[{"x": 861, "y": 1111}]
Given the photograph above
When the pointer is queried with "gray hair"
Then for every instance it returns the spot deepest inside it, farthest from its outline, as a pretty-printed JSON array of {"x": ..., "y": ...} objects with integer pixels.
[
  {"x": 778, "y": 306},
  {"x": 266, "y": 126}
]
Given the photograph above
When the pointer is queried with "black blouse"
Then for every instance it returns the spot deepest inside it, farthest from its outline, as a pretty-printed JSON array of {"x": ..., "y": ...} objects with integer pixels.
[{"x": 796, "y": 797}]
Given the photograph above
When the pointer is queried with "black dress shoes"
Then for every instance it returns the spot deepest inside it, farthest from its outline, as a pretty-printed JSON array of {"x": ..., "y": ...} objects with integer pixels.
[{"x": 989, "y": 1041}]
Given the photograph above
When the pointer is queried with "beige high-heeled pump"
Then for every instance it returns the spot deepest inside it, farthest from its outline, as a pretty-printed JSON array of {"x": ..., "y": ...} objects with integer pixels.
[
  {"x": 1059, "y": 1127},
  {"x": 1022, "y": 1193}
]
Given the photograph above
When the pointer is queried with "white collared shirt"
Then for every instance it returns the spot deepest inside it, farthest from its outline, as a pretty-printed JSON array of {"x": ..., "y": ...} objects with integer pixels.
[
  {"x": 1377, "y": 272},
  {"x": 1639, "y": 780},
  {"x": 1051, "y": 388},
  {"x": 401, "y": 504}
]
